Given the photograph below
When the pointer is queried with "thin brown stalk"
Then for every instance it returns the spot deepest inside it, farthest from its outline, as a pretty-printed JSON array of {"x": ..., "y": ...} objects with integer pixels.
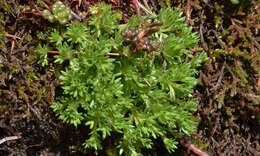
[
  {"x": 193, "y": 148},
  {"x": 147, "y": 82},
  {"x": 146, "y": 4},
  {"x": 9, "y": 138},
  {"x": 12, "y": 36},
  {"x": 220, "y": 77},
  {"x": 135, "y": 2},
  {"x": 53, "y": 52},
  {"x": 57, "y": 52},
  {"x": 12, "y": 48},
  {"x": 113, "y": 54}
]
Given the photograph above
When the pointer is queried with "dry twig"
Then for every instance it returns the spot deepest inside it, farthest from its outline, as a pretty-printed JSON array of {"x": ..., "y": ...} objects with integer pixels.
[
  {"x": 12, "y": 48},
  {"x": 9, "y": 138},
  {"x": 146, "y": 4},
  {"x": 136, "y": 4},
  {"x": 57, "y": 52},
  {"x": 193, "y": 148},
  {"x": 12, "y": 36},
  {"x": 147, "y": 82},
  {"x": 113, "y": 54},
  {"x": 220, "y": 77}
]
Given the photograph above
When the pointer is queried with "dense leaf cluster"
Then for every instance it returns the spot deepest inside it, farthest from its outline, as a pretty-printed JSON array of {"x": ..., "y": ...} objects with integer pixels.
[
  {"x": 59, "y": 13},
  {"x": 111, "y": 89}
]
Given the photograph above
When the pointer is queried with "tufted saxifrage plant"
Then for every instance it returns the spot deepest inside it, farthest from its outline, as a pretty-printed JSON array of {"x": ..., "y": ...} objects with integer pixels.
[{"x": 134, "y": 80}]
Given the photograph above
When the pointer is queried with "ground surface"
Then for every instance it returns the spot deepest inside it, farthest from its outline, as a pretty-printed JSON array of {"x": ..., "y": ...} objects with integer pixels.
[{"x": 229, "y": 95}]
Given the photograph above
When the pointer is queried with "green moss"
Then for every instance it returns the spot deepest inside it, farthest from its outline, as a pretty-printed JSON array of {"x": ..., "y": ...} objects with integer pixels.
[
  {"x": 41, "y": 3},
  {"x": 6, "y": 5},
  {"x": 138, "y": 93}
]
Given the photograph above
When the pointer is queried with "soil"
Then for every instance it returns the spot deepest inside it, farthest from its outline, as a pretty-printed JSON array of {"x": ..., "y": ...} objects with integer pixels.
[{"x": 228, "y": 90}]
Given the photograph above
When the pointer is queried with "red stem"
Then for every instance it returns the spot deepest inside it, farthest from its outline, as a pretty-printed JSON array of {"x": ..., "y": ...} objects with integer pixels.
[
  {"x": 57, "y": 52},
  {"x": 12, "y": 36},
  {"x": 135, "y": 2},
  {"x": 193, "y": 148}
]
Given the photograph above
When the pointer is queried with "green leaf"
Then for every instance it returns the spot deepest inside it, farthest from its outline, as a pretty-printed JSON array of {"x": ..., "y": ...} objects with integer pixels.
[
  {"x": 77, "y": 33},
  {"x": 56, "y": 38},
  {"x": 104, "y": 20},
  {"x": 41, "y": 51},
  {"x": 172, "y": 20},
  {"x": 66, "y": 53}
]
